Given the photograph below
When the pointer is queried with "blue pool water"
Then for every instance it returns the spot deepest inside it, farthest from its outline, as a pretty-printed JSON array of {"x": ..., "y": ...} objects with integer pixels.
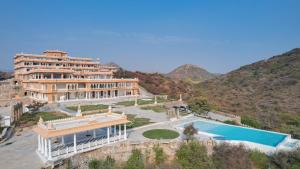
[{"x": 229, "y": 132}]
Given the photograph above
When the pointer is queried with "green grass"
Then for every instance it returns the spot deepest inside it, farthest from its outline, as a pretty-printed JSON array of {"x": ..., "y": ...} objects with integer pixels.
[
  {"x": 136, "y": 121},
  {"x": 158, "y": 109},
  {"x": 88, "y": 107},
  {"x": 30, "y": 119},
  {"x": 161, "y": 134}
]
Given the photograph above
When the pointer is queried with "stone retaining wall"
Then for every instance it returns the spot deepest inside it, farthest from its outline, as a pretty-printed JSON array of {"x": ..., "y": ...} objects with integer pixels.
[{"x": 121, "y": 151}]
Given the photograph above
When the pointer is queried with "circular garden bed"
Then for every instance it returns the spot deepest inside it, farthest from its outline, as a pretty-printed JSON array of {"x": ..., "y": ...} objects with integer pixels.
[{"x": 161, "y": 134}]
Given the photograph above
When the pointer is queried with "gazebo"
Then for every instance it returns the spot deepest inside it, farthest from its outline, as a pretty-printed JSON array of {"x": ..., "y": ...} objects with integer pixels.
[{"x": 59, "y": 139}]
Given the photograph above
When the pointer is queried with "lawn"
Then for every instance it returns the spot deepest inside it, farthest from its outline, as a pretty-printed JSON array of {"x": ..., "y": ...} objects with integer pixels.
[
  {"x": 161, "y": 134},
  {"x": 136, "y": 121},
  {"x": 30, "y": 119},
  {"x": 157, "y": 109},
  {"x": 88, "y": 107}
]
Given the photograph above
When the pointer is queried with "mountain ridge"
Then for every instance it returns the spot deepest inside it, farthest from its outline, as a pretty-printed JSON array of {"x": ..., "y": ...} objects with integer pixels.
[{"x": 267, "y": 90}]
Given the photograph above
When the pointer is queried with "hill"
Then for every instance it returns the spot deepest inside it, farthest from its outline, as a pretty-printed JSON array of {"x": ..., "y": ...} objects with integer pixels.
[
  {"x": 157, "y": 83},
  {"x": 5, "y": 75},
  {"x": 267, "y": 91},
  {"x": 190, "y": 73}
]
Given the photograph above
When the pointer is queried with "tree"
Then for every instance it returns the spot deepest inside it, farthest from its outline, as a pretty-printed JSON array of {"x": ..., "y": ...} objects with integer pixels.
[
  {"x": 189, "y": 131},
  {"x": 226, "y": 156},
  {"x": 193, "y": 155},
  {"x": 199, "y": 105},
  {"x": 135, "y": 160},
  {"x": 160, "y": 156}
]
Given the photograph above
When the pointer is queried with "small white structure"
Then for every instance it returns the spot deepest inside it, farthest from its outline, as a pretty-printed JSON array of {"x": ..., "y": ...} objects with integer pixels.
[
  {"x": 78, "y": 114},
  {"x": 109, "y": 109},
  {"x": 155, "y": 100},
  {"x": 7, "y": 121}
]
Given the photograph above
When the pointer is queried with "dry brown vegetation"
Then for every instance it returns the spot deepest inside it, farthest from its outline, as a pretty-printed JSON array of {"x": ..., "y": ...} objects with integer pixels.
[
  {"x": 5, "y": 75},
  {"x": 268, "y": 91},
  {"x": 157, "y": 83}
]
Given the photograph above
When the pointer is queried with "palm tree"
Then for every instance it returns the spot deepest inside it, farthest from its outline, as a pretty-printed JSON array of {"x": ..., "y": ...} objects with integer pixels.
[{"x": 189, "y": 131}]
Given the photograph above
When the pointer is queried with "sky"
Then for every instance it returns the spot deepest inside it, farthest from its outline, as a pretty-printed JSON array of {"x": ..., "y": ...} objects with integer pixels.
[{"x": 152, "y": 35}]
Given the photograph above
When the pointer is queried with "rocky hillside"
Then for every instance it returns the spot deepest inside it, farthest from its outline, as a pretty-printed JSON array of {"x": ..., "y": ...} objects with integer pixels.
[
  {"x": 156, "y": 83},
  {"x": 268, "y": 90},
  {"x": 5, "y": 75},
  {"x": 190, "y": 73}
]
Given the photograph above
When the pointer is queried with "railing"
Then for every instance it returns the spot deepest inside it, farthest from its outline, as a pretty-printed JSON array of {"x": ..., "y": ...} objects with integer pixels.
[{"x": 61, "y": 151}]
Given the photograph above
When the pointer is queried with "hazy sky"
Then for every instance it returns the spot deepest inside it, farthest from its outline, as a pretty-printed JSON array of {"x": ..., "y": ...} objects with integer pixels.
[{"x": 152, "y": 35}]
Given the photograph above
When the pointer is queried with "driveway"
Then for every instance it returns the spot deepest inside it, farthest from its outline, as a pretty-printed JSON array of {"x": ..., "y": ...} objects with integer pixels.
[{"x": 19, "y": 152}]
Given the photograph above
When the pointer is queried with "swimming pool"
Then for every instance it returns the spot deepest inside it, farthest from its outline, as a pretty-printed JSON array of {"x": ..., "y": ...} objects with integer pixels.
[{"x": 230, "y": 132}]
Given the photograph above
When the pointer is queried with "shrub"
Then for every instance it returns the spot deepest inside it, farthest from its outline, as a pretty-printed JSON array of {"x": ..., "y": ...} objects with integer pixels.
[
  {"x": 232, "y": 122},
  {"x": 160, "y": 156},
  {"x": 231, "y": 157},
  {"x": 108, "y": 163},
  {"x": 260, "y": 160},
  {"x": 286, "y": 160},
  {"x": 135, "y": 160},
  {"x": 189, "y": 131},
  {"x": 94, "y": 164},
  {"x": 193, "y": 155},
  {"x": 249, "y": 121}
]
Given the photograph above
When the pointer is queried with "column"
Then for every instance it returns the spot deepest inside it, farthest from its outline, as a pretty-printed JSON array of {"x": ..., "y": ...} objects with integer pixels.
[
  {"x": 75, "y": 143},
  {"x": 46, "y": 147},
  {"x": 42, "y": 147},
  {"x": 107, "y": 134},
  {"x": 94, "y": 133},
  {"x": 125, "y": 134},
  {"x": 39, "y": 142},
  {"x": 120, "y": 131},
  {"x": 115, "y": 130},
  {"x": 86, "y": 95},
  {"x": 62, "y": 140},
  {"x": 49, "y": 147}
]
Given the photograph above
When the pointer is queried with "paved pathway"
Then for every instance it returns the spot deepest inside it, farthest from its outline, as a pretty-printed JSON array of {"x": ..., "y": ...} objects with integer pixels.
[
  {"x": 19, "y": 152},
  {"x": 136, "y": 134}
]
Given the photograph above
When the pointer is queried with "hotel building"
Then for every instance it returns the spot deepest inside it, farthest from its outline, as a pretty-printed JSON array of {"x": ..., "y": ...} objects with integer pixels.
[{"x": 57, "y": 77}]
